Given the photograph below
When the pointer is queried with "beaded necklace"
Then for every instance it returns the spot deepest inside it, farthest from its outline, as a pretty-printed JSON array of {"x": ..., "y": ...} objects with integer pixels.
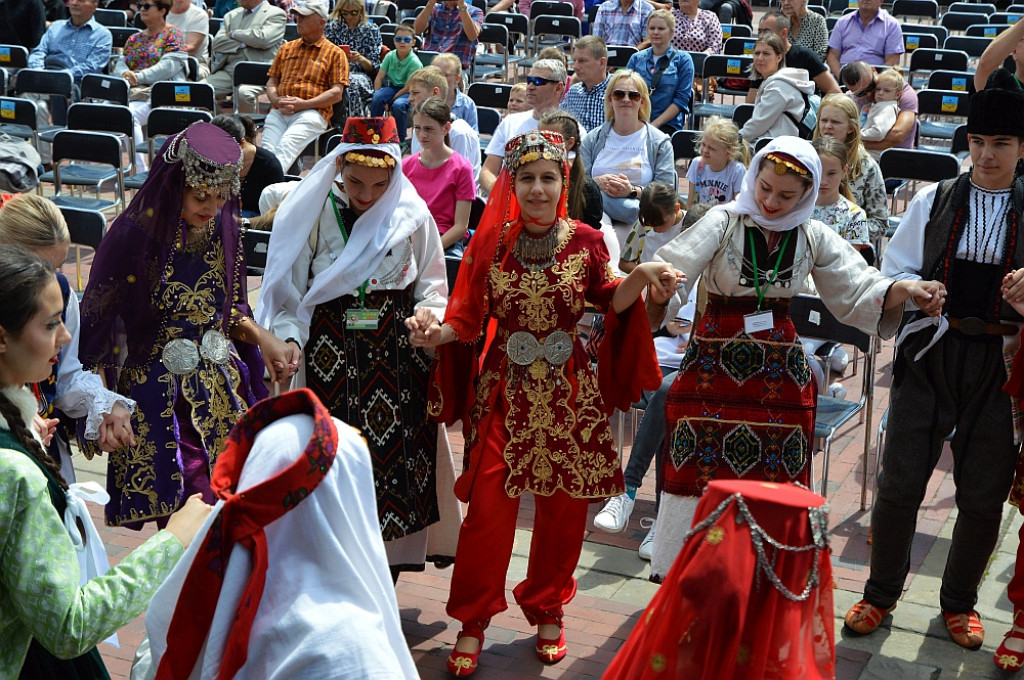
[{"x": 537, "y": 254}]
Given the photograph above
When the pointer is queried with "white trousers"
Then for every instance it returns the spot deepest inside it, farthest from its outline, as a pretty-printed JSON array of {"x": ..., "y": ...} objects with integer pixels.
[
  {"x": 286, "y": 136},
  {"x": 140, "y": 116}
]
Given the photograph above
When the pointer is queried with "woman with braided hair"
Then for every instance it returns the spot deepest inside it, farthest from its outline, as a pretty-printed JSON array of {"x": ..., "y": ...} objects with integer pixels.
[{"x": 49, "y": 621}]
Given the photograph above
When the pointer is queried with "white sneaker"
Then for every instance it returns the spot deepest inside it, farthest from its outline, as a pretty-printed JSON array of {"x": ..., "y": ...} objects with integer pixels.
[
  {"x": 614, "y": 517},
  {"x": 647, "y": 545}
]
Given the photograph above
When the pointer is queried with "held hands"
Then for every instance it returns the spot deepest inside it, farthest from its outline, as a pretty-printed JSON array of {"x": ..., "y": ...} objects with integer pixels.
[
  {"x": 116, "y": 429},
  {"x": 424, "y": 329},
  {"x": 929, "y": 296},
  {"x": 663, "y": 280},
  {"x": 1013, "y": 289},
  {"x": 45, "y": 427},
  {"x": 281, "y": 358},
  {"x": 185, "y": 522}
]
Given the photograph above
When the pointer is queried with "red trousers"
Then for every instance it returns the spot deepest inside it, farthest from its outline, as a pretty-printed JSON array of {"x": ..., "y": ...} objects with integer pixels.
[{"x": 486, "y": 538}]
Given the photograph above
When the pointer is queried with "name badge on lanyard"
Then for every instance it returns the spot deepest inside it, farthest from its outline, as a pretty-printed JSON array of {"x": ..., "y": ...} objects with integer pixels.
[
  {"x": 362, "y": 319},
  {"x": 760, "y": 321}
]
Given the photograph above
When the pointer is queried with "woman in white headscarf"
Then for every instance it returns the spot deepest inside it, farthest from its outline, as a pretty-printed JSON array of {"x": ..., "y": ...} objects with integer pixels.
[
  {"x": 356, "y": 254},
  {"x": 287, "y": 577},
  {"x": 742, "y": 405}
]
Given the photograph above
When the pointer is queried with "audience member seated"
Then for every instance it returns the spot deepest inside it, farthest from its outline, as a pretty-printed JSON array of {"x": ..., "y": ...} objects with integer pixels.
[
  {"x": 861, "y": 80},
  {"x": 835, "y": 206},
  {"x": 396, "y": 68},
  {"x": 780, "y": 101},
  {"x": 458, "y": 101},
  {"x": 558, "y": 54},
  {"x": 22, "y": 22},
  {"x": 517, "y": 99},
  {"x": 697, "y": 30},
  {"x": 838, "y": 117},
  {"x": 464, "y": 140},
  {"x": 194, "y": 23},
  {"x": 454, "y": 28},
  {"x": 584, "y": 201},
  {"x": 808, "y": 29},
  {"x": 622, "y": 22},
  {"x": 796, "y": 56},
  {"x": 442, "y": 177},
  {"x": 627, "y": 152},
  {"x": 668, "y": 73},
  {"x": 80, "y": 45},
  {"x": 260, "y": 168},
  {"x": 307, "y": 78},
  {"x": 884, "y": 109},
  {"x": 252, "y": 32},
  {"x": 349, "y": 26},
  {"x": 544, "y": 87},
  {"x": 585, "y": 98},
  {"x": 716, "y": 176},
  {"x": 870, "y": 34},
  {"x": 154, "y": 54}
]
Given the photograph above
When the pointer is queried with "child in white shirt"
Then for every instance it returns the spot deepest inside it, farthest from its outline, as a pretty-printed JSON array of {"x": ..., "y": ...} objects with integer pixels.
[
  {"x": 883, "y": 112},
  {"x": 716, "y": 175}
]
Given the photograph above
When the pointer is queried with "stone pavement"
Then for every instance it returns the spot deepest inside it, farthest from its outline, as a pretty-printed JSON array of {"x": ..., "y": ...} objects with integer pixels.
[{"x": 613, "y": 587}]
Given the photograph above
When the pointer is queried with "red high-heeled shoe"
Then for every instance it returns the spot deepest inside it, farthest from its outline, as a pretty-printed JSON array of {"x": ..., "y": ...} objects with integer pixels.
[
  {"x": 462, "y": 664},
  {"x": 552, "y": 651}
]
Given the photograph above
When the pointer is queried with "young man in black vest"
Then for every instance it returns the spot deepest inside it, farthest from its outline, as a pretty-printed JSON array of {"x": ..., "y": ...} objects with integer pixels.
[{"x": 950, "y": 370}]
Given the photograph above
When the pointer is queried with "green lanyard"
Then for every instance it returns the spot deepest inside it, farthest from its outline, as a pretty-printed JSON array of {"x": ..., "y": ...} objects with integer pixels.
[
  {"x": 775, "y": 272},
  {"x": 344, "y": 236}
]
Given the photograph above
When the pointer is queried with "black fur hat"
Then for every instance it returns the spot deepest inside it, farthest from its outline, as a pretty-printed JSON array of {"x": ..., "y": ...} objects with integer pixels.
[{"x": 999, "y": 108}]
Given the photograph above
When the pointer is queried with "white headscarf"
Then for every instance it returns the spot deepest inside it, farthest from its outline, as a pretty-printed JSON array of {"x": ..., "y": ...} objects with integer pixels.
[
  {"x": 328, "y": 609},
  {"x": 388, "y": 222},
  {"x": 746, "y": 203}
]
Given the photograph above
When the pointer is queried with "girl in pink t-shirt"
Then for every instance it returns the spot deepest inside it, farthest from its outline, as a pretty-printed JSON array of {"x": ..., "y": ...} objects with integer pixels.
[{"x": 442, "y": 177}]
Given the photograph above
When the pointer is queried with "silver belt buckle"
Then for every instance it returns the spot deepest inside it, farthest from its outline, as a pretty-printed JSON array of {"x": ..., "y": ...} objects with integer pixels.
[
  {"x": 524, "y": 348},
  {"x": 972, "y": 325},
  {"x": 181, "y": 356}
]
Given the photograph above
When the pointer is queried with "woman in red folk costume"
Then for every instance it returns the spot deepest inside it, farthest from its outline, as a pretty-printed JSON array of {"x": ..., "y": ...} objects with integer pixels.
[{"x": 536, "y": 419}]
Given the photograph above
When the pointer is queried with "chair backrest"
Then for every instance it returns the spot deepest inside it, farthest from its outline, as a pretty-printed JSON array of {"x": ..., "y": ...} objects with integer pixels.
[
  {"x": 986, "y": 30},
  {"x": 551, "y": 8},
  {"x": 812, "y": 318},
  {"x": 698, "y": 62},
  {"x": 961, "y": 144},
  {"x": 742, "y": 114},
  {"x": 164, "y": 122},
  {"x": 935, "y": 60},
  {"x": 251, "y": 73},
  {"x": 332, "y": 143},
  {"x": 618, "y": 56},
  {"x": 741, "y": 46},
  {"x": 958, "y": 81},
  {"x": 973, "y": 46},
  {"x": 256, "y": 243},
  {"x": 513, "y": 21},
  {"x": 18, "y": 111},
  {"x": 1007, "y": 17},
  {"x": 426, "y": 56},
  {"x": 115, "y": 118},
  {"x": 557, "y": 25},
  {"x": 940, "y": 32},
  {"x": 726, "y": 66},
  {"x": 488, "y": 119},
  {"x": 736, "y": 31},
  {"x": 88, "y": 146},
  {"x": 121, "y": 35},
  {"x": 13, "y": 56},
  {"x": 177, "y": 93},
  {"x": 959, "y": 21},
  {"x": 87, "y": 227},
  {"x": 493, "y": 34},
  {"x": 684, "y": 144},
  {"x": 104, "y": 88},
  {"x": 111, "y": 17},
  {"x": 914, "y": 41},
  {"x": 214, "y": 25},
  {"x": 915, "y": 8},
  {"x": 918, "y": 165},
  {"x": 41, "y": 81},
  {"x": 493, "y": 95},
  {"x": 987, "y": 9},
  {"x": 942, "y": 102},
  {"x": 291, "y": 32}
]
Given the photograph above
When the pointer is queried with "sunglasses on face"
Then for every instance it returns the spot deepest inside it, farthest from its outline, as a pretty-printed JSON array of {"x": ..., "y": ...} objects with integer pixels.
[
  {"x": 348, "y": 12},
  {"x": 537, "y": 81},
  {"x": 866, "y": 91},
  {"x": 619, "y": 95},
  {"x": 143, "y": 6},
  {"x": 403, "y": 39}
]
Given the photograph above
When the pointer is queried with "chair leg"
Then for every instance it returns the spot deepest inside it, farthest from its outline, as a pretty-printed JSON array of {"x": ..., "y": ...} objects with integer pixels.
[{"x": 823, "y": 491}]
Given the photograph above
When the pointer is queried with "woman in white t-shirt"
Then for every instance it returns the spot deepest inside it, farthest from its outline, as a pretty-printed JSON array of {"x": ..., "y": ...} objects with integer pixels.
[
  {"x": 627, "y": 153},
  {"x": 195, "y": 24}
]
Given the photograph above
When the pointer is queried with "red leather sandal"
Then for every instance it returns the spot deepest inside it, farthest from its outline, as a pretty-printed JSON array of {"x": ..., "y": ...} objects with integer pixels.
[
  {"x": 864, "y": 617},
  {"x": 1005, "y": 658},
  {"x": 965, "y": 629},
  {"x": 462, "y": 664},
  {"x": 552, "y": 651}
]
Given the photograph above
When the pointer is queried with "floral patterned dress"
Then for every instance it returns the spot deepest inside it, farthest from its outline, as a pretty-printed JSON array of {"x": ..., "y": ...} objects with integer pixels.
[
  {"x": 364, "y": 39},
  {"x": 142, "y": 51}
]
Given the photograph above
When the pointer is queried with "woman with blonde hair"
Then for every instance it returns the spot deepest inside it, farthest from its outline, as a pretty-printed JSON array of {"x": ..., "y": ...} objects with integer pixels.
[
  {"x": 838, "y": 117},
  {"x": 36, "y": 224},
  {"x": 627, "y": 152},
  {"x": 668, "y": 72},
  {"x": 349, "y": 26}
]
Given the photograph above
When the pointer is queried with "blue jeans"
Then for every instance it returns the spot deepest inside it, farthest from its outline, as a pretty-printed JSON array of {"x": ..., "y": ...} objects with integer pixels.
[
  {"x": 399, "y": 107},
  {"x": 621, "y": 209},
  {"x": 650, "y": 437}
]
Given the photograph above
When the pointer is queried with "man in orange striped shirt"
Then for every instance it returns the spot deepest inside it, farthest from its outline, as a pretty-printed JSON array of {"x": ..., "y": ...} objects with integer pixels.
[{"x": 307, "y": 78}]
